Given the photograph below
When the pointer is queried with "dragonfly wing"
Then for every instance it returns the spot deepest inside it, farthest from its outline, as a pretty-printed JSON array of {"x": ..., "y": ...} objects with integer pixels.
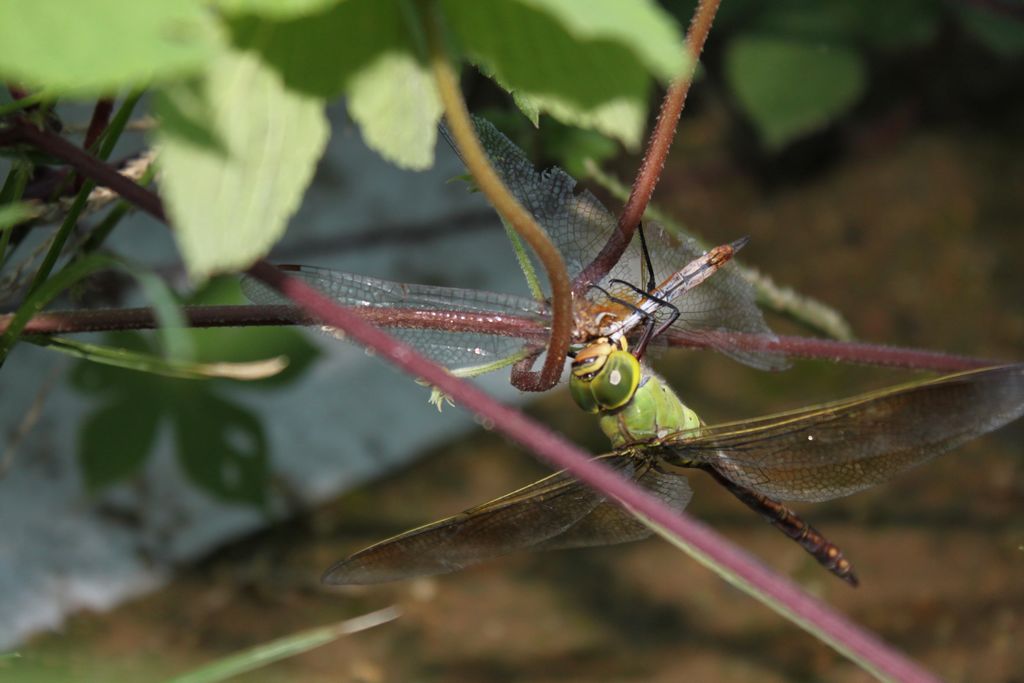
[
  {"x": 453, "y": 349},
  {"x": 517, "y": 521},
  {"x": 836, "y": 449},
  {"x": 577, "y": 222},
  {"x": 720, "y": 313},
  {"x": 610, "y": 523}
]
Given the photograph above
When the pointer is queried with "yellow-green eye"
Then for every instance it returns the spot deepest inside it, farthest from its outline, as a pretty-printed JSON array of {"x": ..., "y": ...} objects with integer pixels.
[
  {"x": 615, "y": 384},
  {"x": 580, "y": 391}
]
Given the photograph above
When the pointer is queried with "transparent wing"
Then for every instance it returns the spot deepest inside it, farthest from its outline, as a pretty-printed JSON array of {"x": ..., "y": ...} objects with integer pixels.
[
  {"x": 836, "y": 449},
  {"x": 453, "y": 349},
  {"x": 555, "y": 512},
  {"x": 580, "y": 225}
]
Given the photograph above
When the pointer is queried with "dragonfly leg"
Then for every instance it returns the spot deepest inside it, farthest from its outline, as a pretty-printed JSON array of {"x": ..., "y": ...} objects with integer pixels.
[
  {"x": 649, "y": 332},
  {"x": 789, "y": 523}
]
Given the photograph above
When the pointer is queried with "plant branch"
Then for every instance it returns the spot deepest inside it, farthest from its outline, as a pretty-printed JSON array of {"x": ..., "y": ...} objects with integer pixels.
[
  {"x": 115, "y": 319},
  {"x": 519, "y": 218},
  {"x": 654, "y": 157},
  {"x": 86, "y": 164}
]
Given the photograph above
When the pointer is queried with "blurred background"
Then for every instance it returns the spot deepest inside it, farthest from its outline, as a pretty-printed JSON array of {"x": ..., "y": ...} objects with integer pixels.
[{"x": 872, "y": 151}]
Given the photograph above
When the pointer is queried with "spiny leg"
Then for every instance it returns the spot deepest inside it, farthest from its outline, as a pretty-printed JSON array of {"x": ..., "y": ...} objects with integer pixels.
[
  {"x": 649, "y": 332},
  {"x": 789, "y": 523}
]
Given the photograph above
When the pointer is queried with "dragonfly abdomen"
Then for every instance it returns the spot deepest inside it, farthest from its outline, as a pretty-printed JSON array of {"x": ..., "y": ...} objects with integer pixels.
[{"x": 790, "y": 523}]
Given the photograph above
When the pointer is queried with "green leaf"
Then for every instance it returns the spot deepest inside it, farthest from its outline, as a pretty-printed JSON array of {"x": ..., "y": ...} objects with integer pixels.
[
  {"x": 364, "y": 48},
  {"x": 642, "y": 26},
  {"x": 999, "y": 34},
  {"x": 174, "y": 368},
  {"x": 13, "y": 214},
  {"x": 114, "y": 441},
  {"x": 282, "y": 648},
  {"x": 594, "y": 83},
  {"x": 221, "y": 446},
  {"x": 396, "y": 105},
  {"x": 791, "y": 88},
  {"x": 230, "y": 206},
  {"x": 274, "y": 9},
  {"x": 100, "y": 46}
]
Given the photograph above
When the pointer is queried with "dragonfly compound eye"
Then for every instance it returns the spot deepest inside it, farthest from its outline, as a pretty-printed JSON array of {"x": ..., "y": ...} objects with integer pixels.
[
  {"x": 604, "y": 376},
  {"x": 614, "y": 386}
]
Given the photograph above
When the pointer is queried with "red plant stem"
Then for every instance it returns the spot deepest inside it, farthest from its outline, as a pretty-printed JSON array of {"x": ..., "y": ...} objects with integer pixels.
[
  {"x": 530, "y": 330},
  {"x": 98, "y": 123},
  {"x": 87, "y": 165},
  {"x": 562, "y": 454},
  {"x": 654, "y": 157}
]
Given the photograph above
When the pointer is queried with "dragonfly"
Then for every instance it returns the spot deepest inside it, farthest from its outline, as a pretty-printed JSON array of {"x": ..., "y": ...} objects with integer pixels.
[{"x": 812, "y": 454}]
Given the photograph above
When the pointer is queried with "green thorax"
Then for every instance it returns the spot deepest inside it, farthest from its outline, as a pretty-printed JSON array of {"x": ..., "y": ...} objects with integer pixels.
[
  {"x": 654, "y": 411},
  {"x": 635, "y": 404}
]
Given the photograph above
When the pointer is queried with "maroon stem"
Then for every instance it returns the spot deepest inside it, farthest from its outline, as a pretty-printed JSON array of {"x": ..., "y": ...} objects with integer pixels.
[
  {"x": 531, "y": 330},
  {"x": 654, "y": 157},
  {"x": 86, "y": 164},
  {"x": 98, "y": 123}
]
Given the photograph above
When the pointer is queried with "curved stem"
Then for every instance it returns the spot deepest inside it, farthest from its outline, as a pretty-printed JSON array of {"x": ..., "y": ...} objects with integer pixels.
[
  {"x": 654, "y": 157},
  {"x": 519, "y": 218}
]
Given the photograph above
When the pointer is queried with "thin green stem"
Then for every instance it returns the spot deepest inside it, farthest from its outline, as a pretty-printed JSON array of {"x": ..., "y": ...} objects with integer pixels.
[
  {"x": 25, "y": 102},
  {"x": 12, "y": 191},
  {"x": 490, "y": 184}
]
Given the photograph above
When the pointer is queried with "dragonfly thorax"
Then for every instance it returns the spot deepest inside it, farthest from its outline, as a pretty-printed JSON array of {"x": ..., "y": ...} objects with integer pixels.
[{"x": 605, "y": 376}]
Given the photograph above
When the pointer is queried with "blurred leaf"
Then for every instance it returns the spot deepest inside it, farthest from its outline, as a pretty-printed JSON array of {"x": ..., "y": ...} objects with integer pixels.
[
  {"x": 172, "y": 367},
  {"x": 642, "y": 26},
  {"x": 790, "y": 88},
  {"x": 221, "y": 446},
  {"x": 882, "y": 24},
  {"x": 229, "y": 207},
  {"x": 397, "y": 107},
  {"x": 1001, "y": 35},
  {"x": 282, "y": 648},
  {"x": 590, "y": 83},
  {"x": 113, "y": 441},
  {"x": 275, "y": 9},
  {"x": 100, "y": 46},
  {"x": 363, "y": 48},
  {"x": 13, "y": 214}
]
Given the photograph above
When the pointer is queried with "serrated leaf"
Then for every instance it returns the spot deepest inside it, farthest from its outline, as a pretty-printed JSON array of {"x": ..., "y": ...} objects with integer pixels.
[
  {"x": 113, "y": 442},
  {"x": 363, "y": 48},
  {"x": 274, "y": 9},
  {"x": 590, "y": 83},
  {"x": 791, "y": 88},
  {"x": 641, "y": 25},
  {"x": 222, "y": 447},
  {"x": 396, "y": 105},
  {"x": 100, "y": 46},
  {"x": 230, "y": 206}
]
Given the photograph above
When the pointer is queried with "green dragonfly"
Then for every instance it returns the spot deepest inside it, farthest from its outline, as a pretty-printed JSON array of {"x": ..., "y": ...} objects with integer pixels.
[{"x": 812, "y": 454}]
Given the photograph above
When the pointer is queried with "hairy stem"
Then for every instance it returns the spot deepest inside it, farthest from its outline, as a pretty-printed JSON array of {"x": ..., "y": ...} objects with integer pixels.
[
  {"x": 654, "y": 157},
  {"x": 519, "y": 218}
]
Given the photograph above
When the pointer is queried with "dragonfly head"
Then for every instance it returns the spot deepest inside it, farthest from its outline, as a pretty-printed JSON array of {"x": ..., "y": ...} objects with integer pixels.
[{"x": 605, "y": 375}]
